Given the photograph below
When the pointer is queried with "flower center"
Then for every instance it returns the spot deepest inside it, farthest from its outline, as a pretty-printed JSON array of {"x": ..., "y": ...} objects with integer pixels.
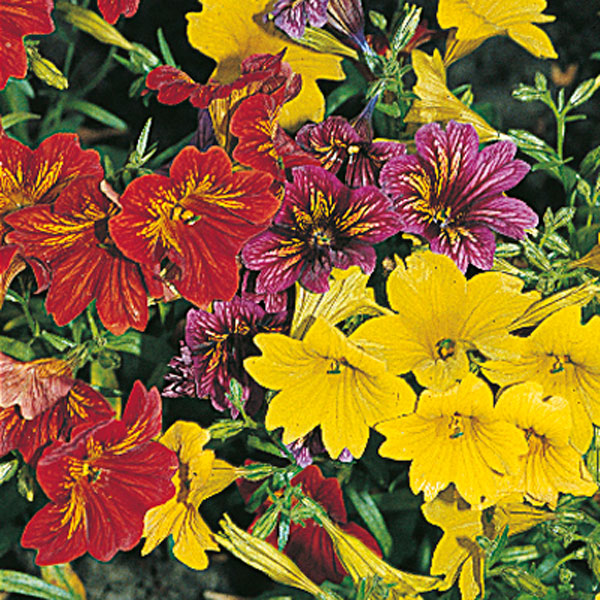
[
  {"x": 184, "y": 483},
  {"x": 320, "y": 238},
  {"x": 335, "y": 368},
  {"x": 558, "y": 366},
  {"x": 456, "y": 426},
  {"x": 445, "y": 348}
]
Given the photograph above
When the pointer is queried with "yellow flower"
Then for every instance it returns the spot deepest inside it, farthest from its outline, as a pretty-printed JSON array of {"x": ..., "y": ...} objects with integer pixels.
[
  {"x": 229, "y": 31},
  {"x": 263, "y": 556},
  {"x": 551, "y": 465},
  {"x": 440, "y": 317},
  {"x": 456, "y": 437},
  {"x": 362, "y": 563},
  {"x": 348, "y": 295},
  {"x": 436, "y": 102},
  {"x": 200, "y": 476},
  {"x": 479, "y": 20},
  {"x": 458, "y": 552},
  {"x": 326, "y": 380},
  {"x": 561, "y": 355}
]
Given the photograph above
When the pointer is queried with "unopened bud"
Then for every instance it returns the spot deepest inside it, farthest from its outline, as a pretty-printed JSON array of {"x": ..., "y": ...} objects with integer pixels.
[
  {"x": 46, "y": 70},
  {"x": 524, "y": 581},
  {"x": 92, "y": 23},
  {"x": 225, "y": 429}
]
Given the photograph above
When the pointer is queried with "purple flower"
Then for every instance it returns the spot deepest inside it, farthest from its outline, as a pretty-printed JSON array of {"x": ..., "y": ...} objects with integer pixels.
[
  {"x": 291, "y": 15},
  {"x": 347, "y": 17},
  {"x": 336, "y": 142},
  {"x": 216, "y": 345},
  {"x": 306, "y": 448},
  {"x": 322, "y": 224},
  {"x": 453, "y": 195}
]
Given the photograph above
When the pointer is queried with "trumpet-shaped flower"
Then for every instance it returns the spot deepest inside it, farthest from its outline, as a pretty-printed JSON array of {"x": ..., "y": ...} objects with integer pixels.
[
  {"x": 478, "y": 20},
  {"x": 308, "y": 544},
  {"x": 200, "y": 475},
  {"x": 80, "y": 405},
  {"x": 100, "y": 485},
  {"x": 217, "y": 343},
  {"x": 441, "y": 317},
  {"x": 71, "y": 237},
  {"x": 29, "y": 177},
  {"x": 551, "y": 465},
  {"x": 198, "y": 218},
  {"x": 474, "y": 448},
  {"x": 322, "y": 224},
  {"x": 336, "y": 142},
  {"x": 19, "y": 18},
  {"x": 229, "y": 31},
  {"x": 435, "y": 102},
  {"x": 562, "y": 356},
  {"x": 347, "y": 16},
  {"x": 326, "y": 380},
  {"x": 454, "y": 195},
  {"x": 291, "y": 16}
]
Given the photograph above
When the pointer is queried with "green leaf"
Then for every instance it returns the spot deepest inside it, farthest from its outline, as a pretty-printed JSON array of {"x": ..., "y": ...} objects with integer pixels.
[
  {"x": 130, "y": 342},
  {"x": 526, "y": 93},
  {"x": 378, "y": 20},
  {"x": 15, "y": 582},
  {"x": 142, "y": 141},
  {"x": 590, "y": 162},
  {"x": 64, "y": 577},
  {"x": 407, "y": 28},
  {"x": 353, "y": 85},
  {"x": 584, "y": 91},
  {"x": 57, "y": 342},
  {"x": 16, "y": 348},
  {"x": 8, "y": 470},
  {"x": 14, "y": 118},
  {"x": 368, "y": 510},
  {"x": 164, "y": 48},
  {"x": 93, "y": 111}
]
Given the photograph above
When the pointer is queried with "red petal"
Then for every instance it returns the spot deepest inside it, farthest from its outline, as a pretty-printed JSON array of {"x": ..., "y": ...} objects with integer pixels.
[
  {"x": 112, "y": 9},
  {"x": 143, "y": 414}
]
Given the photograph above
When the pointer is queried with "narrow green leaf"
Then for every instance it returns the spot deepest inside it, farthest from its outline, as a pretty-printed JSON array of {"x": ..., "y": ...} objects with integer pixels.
[
  {"x": 142, "y": 142},
  {"x": 353, "y": 85},
  {"x": 14, "y": 118},
  {"x": 584, "y": 91},
  {"x": 57, "y": 342},
  {"x": 164, "y": 48},
  {"x": 16, "y": 348},
  {"x": 590, "y": 162},
  {"x": 8, "y": 470},
  {"x": 371, "y": 515},
  {"x": 15, "y": 582},
  {"x": 130, "y": 342},
  {"x": 93, "y": 111}
]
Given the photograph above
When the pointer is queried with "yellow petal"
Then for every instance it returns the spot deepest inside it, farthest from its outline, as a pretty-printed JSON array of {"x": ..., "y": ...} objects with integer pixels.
[
  {"x": 533, "y": 39},
  {"x": 229, "y": 31},
  {"x": 192, "y": 541},
  {"x": 436, "y": 102}
]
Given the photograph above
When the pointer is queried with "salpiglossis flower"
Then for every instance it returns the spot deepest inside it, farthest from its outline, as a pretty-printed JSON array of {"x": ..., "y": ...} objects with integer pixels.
[
  {"x": 327, "y": 380},
  {"x": 229, "y": 31},
  {"x": 474, "y": 448},
  {"x": 112, "y": 9},
  {"x": 291, "y": 16},
  {"x": 33, "y": 386},
  {"x": 200, "y": 475},
  {"x": 479, "y": 20},
  {"x": 441, "y": 317},
  {"x": 454, "y": 196},
  {"x": 336, "y": 142},
  {"x": 198, "y": 218},
  {"x": 71, "y": 237},
  {"x": 29, "y": 177},
  {"x": 322, "y": 224},
  {"x": 262, "y": 142},
  {"x": 80, "y": 405},
  {"x": 217, "y": 343},
  {"x": 347, "y": 17},
  {"x": 435, "y": 102},
  {"x": 551, "y": 465},
  {"x": 308, "y": 545},
  {"x": 562, "y": 356},
  {"x": 19, "y": 18},
  {"x": 100, "y": 485}
]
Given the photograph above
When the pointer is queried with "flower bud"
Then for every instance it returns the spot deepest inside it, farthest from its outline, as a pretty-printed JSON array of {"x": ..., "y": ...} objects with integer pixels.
[{"x": 46, "y": 70}]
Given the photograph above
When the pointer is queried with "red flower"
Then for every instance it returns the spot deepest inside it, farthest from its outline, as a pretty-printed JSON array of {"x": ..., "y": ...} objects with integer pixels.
[
  {"x": 308, "y": 545},
  {"x": 262, "y": 143},
  {"x": 19, "y": 18},
  {"x": 29, "y": 177},
  {"x": 80, "y": 405},
  {"x": 112, "y": 9},
  {"x": 100, "y": 485},
  {"x": 198, "y": 219},
  {"x": 71, "y": 236}
]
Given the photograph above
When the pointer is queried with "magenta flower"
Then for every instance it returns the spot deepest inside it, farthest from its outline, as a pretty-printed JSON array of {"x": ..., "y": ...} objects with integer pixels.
[
  {"x": 453, "y": 195},
  {"x": 215, "y": 347},
  {"x": 322, "y": 224},
  {"x": 348, "y": 18},
  {"x": 336, "y": 142},
  {"x": 291, "y": 16}
]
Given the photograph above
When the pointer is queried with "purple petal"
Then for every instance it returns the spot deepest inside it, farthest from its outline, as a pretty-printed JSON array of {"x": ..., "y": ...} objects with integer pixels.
[
  {"x": 316, "y": 11},
  {"x": 508, "y": 216}
]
